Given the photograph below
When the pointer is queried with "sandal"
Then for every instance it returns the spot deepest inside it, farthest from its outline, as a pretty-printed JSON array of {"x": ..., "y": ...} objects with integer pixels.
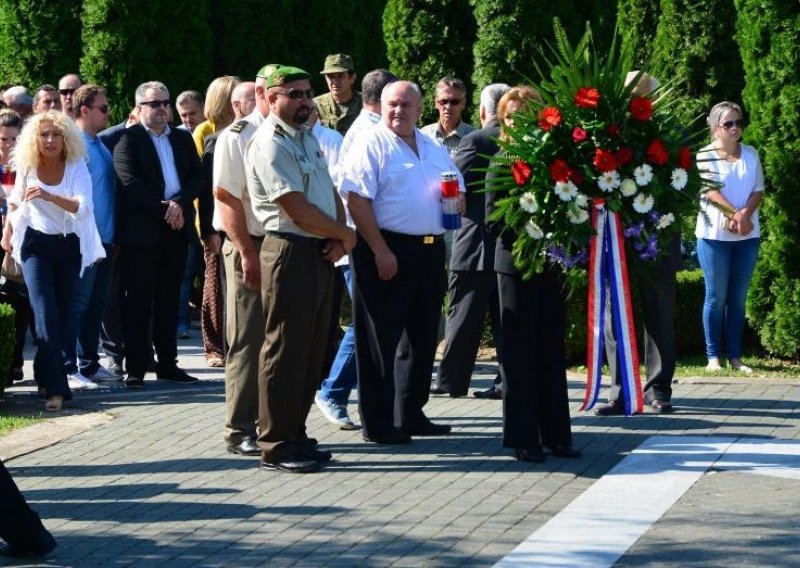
[
  {"x": 215, "y": 361},
  {"x": 54, "y": 403}
]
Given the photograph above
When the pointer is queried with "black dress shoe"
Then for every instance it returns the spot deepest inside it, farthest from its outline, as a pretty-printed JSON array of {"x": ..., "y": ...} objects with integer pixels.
[
  {"x": 175, "y": 375},
  {"x": 321, "y": 456},
  {"x": 293, "y": 463},
  {"x": 393, "y": 437},
  {"x": 247, "y": 447},
  {"x": 132, "y": 382},
  {"x": 610, "y": 409},
  {"x": 428, "y": 429},
  {"x": 564, "y": 451},
  {"x": 41, "y": 544},
  {"x": 533, "y": 456},
  {"x": 661, "y": 407},
  {"x": 492, "y": 393},
  {"x": 437, "y": 390}
]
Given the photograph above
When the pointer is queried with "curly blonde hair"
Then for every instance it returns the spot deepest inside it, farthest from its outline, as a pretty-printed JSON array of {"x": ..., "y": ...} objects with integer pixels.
[{"x": 26, "y": 154}]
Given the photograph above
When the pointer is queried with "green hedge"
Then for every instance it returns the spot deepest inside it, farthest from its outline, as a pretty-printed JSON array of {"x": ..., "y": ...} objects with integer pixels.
[{"x": 7, "y": 338}]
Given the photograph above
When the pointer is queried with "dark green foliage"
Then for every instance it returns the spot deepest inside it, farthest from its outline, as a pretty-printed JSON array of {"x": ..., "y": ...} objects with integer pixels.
[
  {"x": 769, "y": 34},
  {"x": 127, "y": 42},
  {"x": 428, "y": 39},
  {"x": 7, "y": 339},
  {"x": 638, "y": 20},
  {"x": 39, "y": 41},
  {"x": 699, "y": 49}
]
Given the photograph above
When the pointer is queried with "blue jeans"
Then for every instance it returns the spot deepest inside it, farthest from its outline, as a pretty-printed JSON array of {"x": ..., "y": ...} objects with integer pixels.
[
  {"x": 50, "y": 264},
  {"x": 342, "y": 377},
  {"x": 184, "y": 313},
  {"x": 85, "y": 319},
  {"x": 727, "y": 268}
]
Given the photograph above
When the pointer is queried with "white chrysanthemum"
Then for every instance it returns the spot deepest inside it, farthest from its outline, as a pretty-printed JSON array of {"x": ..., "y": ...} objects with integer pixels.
[
  {"x": 566, "y": 190},
  {"x": 643, "y": 203},
  {"x": 577, "y": 215},
  {"x": 628, "y": 187},
  {"x": 608, "y": 181},
  {"x": 528, "y": 202},
  {"x": 533, "y": 230},
  {"x": 643, "y": 174},
  {"x": 582, "y": 200},
  {"x": 679, "y": 178},
  {"x": 665, "y": 221}
]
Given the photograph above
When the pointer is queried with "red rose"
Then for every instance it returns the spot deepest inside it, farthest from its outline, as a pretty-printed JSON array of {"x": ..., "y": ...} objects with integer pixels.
[
  {"x": 560, "y": 171},
  {"x": 521, "y": 172},
  {"x": 587, "y": 97},
  {"x": 684, "y": 158},
  {"x": 613, "y": 130},
  {"x": 576, "y": 176},
  {"x": 604, "y": 160},
  {"x": 657, "y": 153},
  {"x": 623, "y": 156},
  {"x": 578, "y": 135},
  {"x": 641, "y": 108},
  {"x": 549, "y": 117}
]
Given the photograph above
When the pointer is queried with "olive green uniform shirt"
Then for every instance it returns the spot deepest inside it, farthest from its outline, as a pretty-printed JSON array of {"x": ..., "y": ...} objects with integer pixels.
[{"x": 336, "y": 116}]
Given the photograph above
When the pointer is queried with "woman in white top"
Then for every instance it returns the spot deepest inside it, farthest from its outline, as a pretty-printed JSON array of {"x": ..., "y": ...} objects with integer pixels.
[
  {"x": 728, "y": 232},
  {"x": 52, "y": 234}
]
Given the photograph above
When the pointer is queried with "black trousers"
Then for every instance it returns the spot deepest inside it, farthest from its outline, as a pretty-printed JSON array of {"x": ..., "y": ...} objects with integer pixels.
[
  {"x": 150, "y": 278},
  {"x": 535, "y": 401},
  {"x": 472, "y": 293},
  {"x": 396, "y": 325},
  {"x": 19, "y": 524}
]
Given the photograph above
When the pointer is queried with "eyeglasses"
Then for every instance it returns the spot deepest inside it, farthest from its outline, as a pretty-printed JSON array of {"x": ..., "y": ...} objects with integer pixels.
[
  {"x": 297, "y": 94},
  {"x": 101, "y": 108},
  {"x": 728, "y": 124},
  {"x": 451, "y": 102},
  {"x": 66, "y": 92},
  {"x": 156, "y": 104}
]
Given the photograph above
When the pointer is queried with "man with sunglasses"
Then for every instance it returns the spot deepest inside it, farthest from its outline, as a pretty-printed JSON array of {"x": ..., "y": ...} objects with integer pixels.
[
  {"x": 159, "y": 176},
  {"x": 89, "y": 300},
  {"x": 294, "y": 199},
  {"x": 339, "y": 108},
  {"x": 67, "y": 86},
  {"x": 451, "y": 100}
]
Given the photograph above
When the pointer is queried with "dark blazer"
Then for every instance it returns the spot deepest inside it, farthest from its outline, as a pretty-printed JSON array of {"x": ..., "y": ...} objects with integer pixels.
[
  {"x": 205, "y": 202},
  {"x": 140, "y": 188},
  {"x": 473, "y": 244},
  {"x": 111, "y": 135}
]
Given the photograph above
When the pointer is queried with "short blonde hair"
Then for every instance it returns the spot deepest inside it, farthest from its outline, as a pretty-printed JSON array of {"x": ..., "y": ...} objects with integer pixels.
[
  {"x": 718, "y": 111},
  {"x": 218, "y": 109},
  {"x": 26, "y": 154}
]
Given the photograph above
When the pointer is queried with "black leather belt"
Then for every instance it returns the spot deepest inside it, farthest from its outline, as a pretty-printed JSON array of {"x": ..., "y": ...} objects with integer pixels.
[
  {"x": 424, "y": 239},
  {"x": 297, "y": 239}
]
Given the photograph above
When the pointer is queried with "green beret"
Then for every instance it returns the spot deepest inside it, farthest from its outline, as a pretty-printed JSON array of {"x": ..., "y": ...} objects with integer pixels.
[
  {"x": 338, "y": 63},
  {"x": 267, "y": 70},
  {"x": 285, "y": 74}
]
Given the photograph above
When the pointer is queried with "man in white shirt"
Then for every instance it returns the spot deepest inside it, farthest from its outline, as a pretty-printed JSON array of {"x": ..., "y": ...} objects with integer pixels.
[{"x": 392, "y": 183}]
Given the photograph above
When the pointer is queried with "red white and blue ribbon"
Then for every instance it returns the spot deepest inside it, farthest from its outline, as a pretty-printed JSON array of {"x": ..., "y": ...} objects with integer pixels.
[{"x": 608, "y": 269}]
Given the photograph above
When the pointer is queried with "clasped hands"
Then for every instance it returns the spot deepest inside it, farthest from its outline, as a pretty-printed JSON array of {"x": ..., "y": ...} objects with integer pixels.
[
  {"x": 335, "y": 249},
  {"x": 740, "y": 223},
  {"x": 174, "y": 215}
]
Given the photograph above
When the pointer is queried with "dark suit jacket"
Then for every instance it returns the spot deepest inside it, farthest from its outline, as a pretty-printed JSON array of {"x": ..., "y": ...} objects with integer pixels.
[
  {"x": 111, "y": 135},
  {"x": 205, "y": 202},
  {"x": 473, "y": 244},
  {"x": 140, "y": 188}
]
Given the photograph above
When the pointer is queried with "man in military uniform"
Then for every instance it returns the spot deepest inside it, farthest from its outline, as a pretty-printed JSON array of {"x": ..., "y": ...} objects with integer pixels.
[
  {"x": 339, "y": 107},
  {"x": 295, "y": 201}
]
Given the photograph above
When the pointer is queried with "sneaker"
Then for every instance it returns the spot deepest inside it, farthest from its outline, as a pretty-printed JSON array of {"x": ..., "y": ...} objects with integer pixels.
[
  {"x": 79, "y": 382},
  {"x": 103, "y": 375},
  {"x": 335, "y": 413},
  {"x": 737, "y": 365},
  {"x": 713, "y": 365}
]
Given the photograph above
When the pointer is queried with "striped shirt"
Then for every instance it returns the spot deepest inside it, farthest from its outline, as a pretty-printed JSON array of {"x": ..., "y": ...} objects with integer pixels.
[{"x": 451, "y": 140}]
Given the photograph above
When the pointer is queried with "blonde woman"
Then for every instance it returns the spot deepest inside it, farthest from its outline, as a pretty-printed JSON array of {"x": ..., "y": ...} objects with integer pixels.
[{"x": 51, "y": 232}]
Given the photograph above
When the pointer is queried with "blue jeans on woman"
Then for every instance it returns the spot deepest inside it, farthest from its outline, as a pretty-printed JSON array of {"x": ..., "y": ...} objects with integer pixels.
[
  {"x": 727, "y": 268},
  {"x": 50, "y": 265},
  {"x": 342, "y": 378}
]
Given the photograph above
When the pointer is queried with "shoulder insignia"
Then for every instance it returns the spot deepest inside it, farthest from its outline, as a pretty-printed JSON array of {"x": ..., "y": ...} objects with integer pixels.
[
  {"x": 239, "y": 126},
  {"x": 279, "y": 131}
]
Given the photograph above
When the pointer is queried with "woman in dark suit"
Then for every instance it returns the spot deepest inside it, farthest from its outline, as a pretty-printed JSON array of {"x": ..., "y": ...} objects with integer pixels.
[{"x": 533, "y": 324}]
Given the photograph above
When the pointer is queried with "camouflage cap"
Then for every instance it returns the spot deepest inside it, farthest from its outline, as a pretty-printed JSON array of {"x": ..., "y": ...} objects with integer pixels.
[
  {"x": 338, "y": 63},
  {"x": 267, "y": 70},
  {"x": 283, "y": 74}
]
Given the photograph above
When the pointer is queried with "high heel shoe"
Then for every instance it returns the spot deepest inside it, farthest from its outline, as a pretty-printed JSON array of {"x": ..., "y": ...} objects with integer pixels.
[{"x": 54, "y": 403}]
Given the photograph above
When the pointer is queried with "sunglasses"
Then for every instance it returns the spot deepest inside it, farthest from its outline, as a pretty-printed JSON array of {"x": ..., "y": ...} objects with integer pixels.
[
  {"x": 451, "y": 102},
  {"x": 101, "y": 108},
  {"x": 66, "y": 92},
  {"x": 156, "y": 104},
  {"x": 297, "y": 94},
  {"x": 728, "y": 124}
]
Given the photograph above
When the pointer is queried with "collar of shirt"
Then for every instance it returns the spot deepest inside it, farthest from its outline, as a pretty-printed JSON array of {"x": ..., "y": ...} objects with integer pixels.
[
  {"x": 292, "y": 131},
  {"x": 461, "y": 130},
  {"x": 152, "y": 133},
  {"x": 255, "y": 117}
]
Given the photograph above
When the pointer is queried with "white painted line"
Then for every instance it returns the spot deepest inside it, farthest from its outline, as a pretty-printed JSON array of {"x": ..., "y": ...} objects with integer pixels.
[
  {"x": 763, "y": 457},
  {"x": 608, "y": 518}
]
